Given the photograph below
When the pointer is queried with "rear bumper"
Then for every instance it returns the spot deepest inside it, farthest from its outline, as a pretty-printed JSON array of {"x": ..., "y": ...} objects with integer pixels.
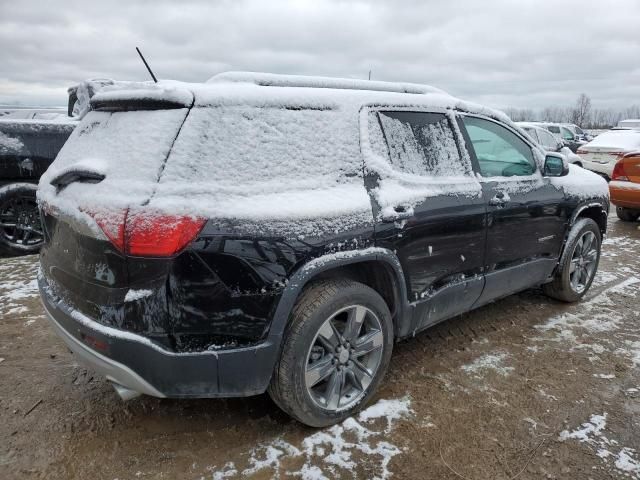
[
  {"x": 603, "y": 168},
  {"x": 138, "y": 364}
]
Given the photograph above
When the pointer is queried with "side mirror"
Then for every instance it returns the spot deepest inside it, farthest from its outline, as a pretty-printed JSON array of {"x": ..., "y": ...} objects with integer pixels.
[{"x": 555, "y": 165}]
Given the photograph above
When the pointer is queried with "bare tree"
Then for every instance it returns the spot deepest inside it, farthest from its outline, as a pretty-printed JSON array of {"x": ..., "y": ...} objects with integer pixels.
[
  {"x": 581, "y": 112},
  {"x": 520, "y": 114}
]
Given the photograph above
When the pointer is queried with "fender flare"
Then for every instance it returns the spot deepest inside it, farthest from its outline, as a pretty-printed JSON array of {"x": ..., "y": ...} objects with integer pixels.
[
  {"x": 581, "y": 208},
  {"x": 314, "y": 267}
]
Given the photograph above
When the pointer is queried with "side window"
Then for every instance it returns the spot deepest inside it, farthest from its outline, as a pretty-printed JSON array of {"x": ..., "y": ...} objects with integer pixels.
[
  {"x": 422, "y": 144},
  {"x": 554, "y": 129},
  {"x": 548, "y": 141},
  {"x": 566, "y": 134},
  {"x": 499, "y": 151}
]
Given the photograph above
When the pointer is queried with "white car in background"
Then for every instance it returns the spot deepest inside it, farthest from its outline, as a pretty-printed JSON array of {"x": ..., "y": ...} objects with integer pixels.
[
  {"x": 548, "y": 141},
  {"x": 601, "y": 154}
]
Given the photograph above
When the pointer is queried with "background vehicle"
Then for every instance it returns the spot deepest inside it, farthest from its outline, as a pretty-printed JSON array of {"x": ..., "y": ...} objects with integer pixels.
[
  {"x": 570, "y": 139},
  {"x": 27, "y": 148},
  {"x": 30, "y": 139},
  {"x": 625, "y": 187},
  {"x": 549, "y": 142},
  {"x": 578, "y": 132},
  {"x": 601, "y": 154},
  {"x": 631, "y": 123},
  {"x": 280, "y": 232}
]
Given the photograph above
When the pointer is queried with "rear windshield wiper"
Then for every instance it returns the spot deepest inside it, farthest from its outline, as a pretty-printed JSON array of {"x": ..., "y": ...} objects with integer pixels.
[{"x": 67, "y": 178}]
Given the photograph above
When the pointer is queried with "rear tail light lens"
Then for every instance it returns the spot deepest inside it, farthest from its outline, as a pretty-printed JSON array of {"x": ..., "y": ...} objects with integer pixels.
[
  {"x": 160, "y": 235},
  {"x": 148, "y": 234},
  {"x": 619, "y": 173},
  {"x": 581, "y": 152}
]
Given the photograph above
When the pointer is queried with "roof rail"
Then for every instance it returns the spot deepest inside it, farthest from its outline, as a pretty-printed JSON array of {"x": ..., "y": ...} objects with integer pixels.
[{"x": 304, "y": 81}]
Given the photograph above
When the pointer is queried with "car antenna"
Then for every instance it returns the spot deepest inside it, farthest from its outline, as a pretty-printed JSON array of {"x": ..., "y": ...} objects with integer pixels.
[{"x": 146, "y": 65}]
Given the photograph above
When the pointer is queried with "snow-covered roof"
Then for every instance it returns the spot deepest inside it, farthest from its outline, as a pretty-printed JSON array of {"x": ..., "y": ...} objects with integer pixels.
[
  {"x": 305, "y": 81},
  {"x": 288, "y": 91}
]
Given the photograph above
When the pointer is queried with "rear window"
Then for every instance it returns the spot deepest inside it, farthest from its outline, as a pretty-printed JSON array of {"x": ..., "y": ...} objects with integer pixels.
[
  {"x": 128, "y": 148},
  {"x": 421, "y": 143}
]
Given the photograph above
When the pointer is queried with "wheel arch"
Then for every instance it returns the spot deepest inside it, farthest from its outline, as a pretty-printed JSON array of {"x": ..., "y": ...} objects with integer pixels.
[
  {"x": 595, "y": 211},
  {"x": 376, "y": 267}
]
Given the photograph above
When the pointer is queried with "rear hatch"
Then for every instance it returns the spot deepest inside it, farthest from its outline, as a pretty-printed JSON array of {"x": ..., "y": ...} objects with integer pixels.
[{"x": 100, "y": 243}]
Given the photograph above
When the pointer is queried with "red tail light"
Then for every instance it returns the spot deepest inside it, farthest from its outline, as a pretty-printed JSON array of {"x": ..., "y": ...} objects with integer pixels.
[
  {"x": 148, "y": 234},
  {"x": 581, "y": 152},
  {"x": 619, "y": 173}
]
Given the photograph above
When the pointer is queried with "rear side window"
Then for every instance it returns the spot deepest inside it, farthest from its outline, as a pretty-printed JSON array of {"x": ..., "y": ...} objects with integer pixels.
[
  {"x": 421, "y": 143},
  {"x": 553, "y": 129},
  {"x": 499, "y": 151}
]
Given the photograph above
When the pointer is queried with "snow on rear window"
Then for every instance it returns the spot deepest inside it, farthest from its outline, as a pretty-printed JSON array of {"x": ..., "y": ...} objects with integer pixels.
[
  {"x": 128, "y": 148},
  {"x": 443, "y": 168},
  {"x": 422, "y": 144}
]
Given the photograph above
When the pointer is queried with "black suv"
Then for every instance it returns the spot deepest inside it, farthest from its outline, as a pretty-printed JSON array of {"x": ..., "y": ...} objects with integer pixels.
[{"x": 264, "y": 232}]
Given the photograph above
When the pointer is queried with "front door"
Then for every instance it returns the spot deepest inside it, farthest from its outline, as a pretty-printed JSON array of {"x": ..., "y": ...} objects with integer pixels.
[
  {"x": 429, "y": 210},
  {"x": 526, "y": 214}
]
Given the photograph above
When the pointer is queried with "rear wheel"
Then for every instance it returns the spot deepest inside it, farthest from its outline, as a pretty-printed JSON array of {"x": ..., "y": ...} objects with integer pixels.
[
  {"x": 627, "y": 214},
  {"x": 335, "y": 352},
  {"x": 20, "y": 226},
  {"x": 578, "y": 264}
]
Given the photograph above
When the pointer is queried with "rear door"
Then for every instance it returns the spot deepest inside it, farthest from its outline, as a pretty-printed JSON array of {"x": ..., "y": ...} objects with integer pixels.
[
  {"x": 429, "y": 210},
  {"x": 526, "y": 215}
]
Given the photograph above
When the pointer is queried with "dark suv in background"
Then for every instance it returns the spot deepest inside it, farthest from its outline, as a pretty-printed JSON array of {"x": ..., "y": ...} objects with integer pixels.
[{"x": 264, "y": 232}]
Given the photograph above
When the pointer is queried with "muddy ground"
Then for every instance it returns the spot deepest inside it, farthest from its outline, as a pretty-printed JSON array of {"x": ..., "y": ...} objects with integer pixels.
[{"x": 524, "y": 388}]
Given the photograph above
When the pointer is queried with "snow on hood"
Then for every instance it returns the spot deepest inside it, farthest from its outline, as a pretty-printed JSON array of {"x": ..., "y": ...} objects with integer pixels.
[{"x": 581, "y": 183}]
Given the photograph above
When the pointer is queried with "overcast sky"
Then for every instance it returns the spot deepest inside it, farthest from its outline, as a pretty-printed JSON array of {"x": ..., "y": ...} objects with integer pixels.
[{"x": 525, "y": 53}]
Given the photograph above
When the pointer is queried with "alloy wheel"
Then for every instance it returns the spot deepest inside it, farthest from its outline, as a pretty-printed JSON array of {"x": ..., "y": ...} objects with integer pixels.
[
  {"x": 20, "y": 221},
  {"x": 344, "y": 357},
  {"x": 583, "y": 261}
]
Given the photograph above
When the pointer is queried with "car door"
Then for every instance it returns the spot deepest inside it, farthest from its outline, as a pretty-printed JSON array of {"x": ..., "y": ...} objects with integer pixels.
[
  {"x": 429, "y": 209},
  {"x": 526, "y": 214}
]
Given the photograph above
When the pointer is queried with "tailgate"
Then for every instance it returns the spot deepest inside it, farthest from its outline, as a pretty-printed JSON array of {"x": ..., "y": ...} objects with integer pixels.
[{"x": 111, "y": 163}]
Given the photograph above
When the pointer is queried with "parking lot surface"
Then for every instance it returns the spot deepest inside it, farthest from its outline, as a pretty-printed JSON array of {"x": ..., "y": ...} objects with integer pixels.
[{"x": 526, "y": 387}]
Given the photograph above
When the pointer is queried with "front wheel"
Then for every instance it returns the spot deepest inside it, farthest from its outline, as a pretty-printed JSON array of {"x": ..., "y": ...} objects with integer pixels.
[
  {"x": 335, "y": 353},
  {"x": 578, "y": 263},
  {"x": 20, "y": 225},
  {"x": 627, "y": 214}
]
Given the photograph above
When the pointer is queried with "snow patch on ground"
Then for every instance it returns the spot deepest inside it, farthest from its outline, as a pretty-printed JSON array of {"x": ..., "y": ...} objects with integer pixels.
[
  {"x": 18, "y": 283},
  {"x": 591, "y": 432},
  {"x": 489, "y": 361},
  {"x": 330, "y": 450}
]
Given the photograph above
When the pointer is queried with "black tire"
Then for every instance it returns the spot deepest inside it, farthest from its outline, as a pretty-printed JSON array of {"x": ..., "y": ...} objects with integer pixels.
[
  {"x": 19, "y": 199},
  {"x": 317, "y": 304},
  {"x": 561, "y": 287},
  {"x": 627, "y": 214}
]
